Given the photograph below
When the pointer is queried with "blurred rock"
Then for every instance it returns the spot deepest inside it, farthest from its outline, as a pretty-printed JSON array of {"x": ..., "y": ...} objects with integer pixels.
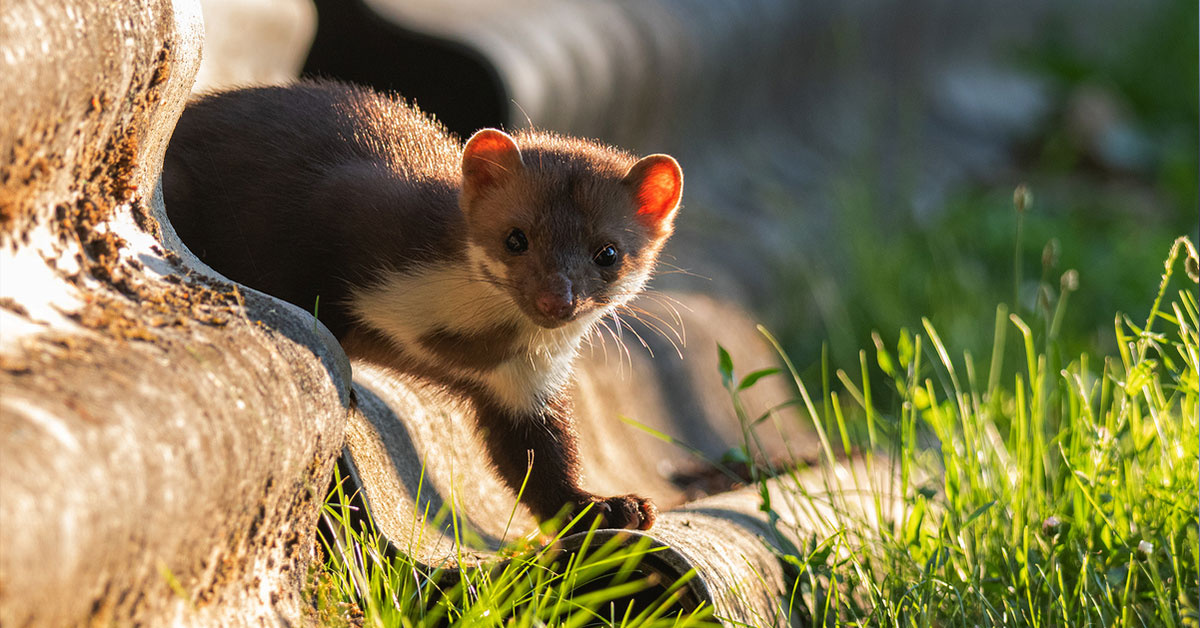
[
  {"x": 992, "y": 102},
  {"x": 1103, "y": 129}
]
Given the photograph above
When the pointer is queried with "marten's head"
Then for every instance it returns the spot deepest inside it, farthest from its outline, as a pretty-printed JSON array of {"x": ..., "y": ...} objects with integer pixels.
[{"x": 569, "y": 228}]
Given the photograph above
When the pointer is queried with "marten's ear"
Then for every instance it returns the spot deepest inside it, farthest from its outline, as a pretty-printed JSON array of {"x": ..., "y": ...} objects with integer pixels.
[
  {"x": 657, "y": 183},
  {"x": 490, "y": 157}
]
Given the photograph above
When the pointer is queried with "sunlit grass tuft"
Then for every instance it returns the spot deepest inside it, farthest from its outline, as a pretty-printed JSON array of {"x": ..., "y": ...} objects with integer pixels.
[
  {"x": 598, "y": 584},
  {"x": 1059, "y": 492}
]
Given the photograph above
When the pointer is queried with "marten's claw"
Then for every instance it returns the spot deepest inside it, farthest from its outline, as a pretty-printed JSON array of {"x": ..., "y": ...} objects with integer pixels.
[{"x": 630, "y": 512}]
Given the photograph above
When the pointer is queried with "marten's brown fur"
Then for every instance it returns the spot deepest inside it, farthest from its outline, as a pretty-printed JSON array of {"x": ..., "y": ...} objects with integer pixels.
[{"x": 481, "y": 267}]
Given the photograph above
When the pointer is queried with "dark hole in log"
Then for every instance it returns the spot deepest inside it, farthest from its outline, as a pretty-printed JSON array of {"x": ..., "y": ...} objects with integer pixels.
[{"x": 449, "y": 80}]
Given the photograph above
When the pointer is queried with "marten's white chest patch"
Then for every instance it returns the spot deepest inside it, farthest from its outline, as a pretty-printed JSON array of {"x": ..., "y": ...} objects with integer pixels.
[{"x": 450, "y": 318}]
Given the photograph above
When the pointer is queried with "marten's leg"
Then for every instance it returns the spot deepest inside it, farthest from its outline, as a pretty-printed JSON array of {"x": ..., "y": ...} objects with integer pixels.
[{"x": 542, "y": 445}]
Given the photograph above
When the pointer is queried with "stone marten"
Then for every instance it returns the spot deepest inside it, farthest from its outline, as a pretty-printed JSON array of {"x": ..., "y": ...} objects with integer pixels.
[{"x": 481, "y": 267}]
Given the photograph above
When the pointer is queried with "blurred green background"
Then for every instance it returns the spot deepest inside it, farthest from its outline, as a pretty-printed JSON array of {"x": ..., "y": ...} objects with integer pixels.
[{"x": 1112, "y": 171}]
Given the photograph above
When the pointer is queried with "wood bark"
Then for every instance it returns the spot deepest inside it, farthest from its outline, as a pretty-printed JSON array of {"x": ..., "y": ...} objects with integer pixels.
[{"x": 167, "y": 436}]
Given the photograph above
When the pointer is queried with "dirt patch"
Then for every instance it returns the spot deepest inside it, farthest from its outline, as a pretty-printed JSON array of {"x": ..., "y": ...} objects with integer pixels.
[
  {"x": 321, "y": 604},
  {"x": 145, "y": 307},
  {"x": 27, "y": 169},
  {"x": 113, "y": 321},
  {"x": 133, "y": 306},
  {"x": 101, "y": 181},
  {"x": 15, "y": 365},
  {"x": 145, "y": 221},
  {"x": 11, "y": 305}
]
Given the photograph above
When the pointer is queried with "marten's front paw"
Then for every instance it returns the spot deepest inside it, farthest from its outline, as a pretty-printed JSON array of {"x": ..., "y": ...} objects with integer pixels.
[{"x": 626, "y": 511}]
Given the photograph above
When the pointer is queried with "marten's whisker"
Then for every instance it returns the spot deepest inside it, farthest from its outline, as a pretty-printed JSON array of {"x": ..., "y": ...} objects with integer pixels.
[
  {"x": 660, "y": 332},
  {"x": 633, "y": 331},
  {"x": 678, "y": 270},
  {"x": 616, "y": 336},
  {"x": 639, "y": 312}
]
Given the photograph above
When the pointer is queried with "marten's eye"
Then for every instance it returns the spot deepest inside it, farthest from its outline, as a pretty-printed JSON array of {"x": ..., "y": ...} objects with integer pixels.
[
  {"x": 516, "y": 242},
  {"x": 605, "y": 256}
]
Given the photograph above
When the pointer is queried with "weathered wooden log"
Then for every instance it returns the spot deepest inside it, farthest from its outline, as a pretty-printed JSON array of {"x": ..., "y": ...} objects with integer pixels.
[
  {"x": 167, "y": 436},
  {"x": 635, "y": 74}
]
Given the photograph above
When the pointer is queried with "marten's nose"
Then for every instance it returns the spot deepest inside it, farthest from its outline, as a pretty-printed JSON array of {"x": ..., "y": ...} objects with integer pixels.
[{"x": 556, "y": 301}]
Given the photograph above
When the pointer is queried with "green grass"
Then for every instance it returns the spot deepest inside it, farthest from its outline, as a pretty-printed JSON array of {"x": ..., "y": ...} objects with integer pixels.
[
  {"x": 599, "y": 584},
  {"x": 1057, "y": 491}
]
